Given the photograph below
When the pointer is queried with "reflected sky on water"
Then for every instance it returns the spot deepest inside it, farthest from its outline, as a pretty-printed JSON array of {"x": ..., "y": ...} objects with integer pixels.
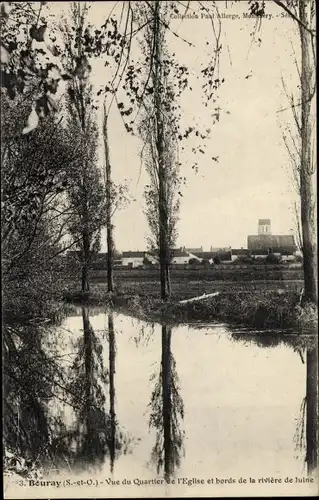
[{"x": 230, "y": 405}]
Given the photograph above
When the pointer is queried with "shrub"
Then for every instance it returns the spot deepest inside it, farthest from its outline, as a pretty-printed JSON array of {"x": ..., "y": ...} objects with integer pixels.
[
  {"x": 206, "y": 263},
  {"x": 258, "y": 260},
  {"x": 273, "y": 259},
  {"x": 243, "y": 259},
  {"x": 193, "y": 261}
]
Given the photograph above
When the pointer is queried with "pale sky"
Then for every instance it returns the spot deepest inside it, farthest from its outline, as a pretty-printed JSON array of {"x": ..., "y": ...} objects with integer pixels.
[{"x": 222, "y": 203}]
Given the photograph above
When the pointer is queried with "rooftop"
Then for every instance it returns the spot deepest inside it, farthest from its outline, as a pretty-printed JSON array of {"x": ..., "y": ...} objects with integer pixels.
[
  {"x": 193, "y": 250},
  {"x": 222, "y": 254},
  {"x": 179, "y": 252},
  {"x": 240, "y": 251},
  {"x": 133, "y": 253}
]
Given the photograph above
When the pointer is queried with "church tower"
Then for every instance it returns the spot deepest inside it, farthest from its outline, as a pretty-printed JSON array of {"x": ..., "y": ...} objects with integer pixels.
[{"x": 264, "y": 227}]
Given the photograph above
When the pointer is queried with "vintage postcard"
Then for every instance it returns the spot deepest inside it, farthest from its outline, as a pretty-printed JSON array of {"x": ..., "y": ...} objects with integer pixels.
[{"x": 159, "y": 249}]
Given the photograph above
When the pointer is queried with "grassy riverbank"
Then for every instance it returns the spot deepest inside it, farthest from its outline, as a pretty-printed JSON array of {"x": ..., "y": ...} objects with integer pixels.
[{"x": 259, "y": 309}]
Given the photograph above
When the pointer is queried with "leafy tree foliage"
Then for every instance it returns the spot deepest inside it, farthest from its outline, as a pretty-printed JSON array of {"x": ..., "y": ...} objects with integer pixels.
[
  {"x": 24, "y": 65},
  {"x": 34, "y": 180},
  {"x": 86, "y": 195}
]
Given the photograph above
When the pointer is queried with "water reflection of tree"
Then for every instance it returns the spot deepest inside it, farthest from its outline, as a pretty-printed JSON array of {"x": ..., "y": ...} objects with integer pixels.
[
  {"x": 167, "y": 410},
  {"x": 97, "y": 433},
  {"x": 312, "y": 410},
  {"x": 112, "y": 354},
  {"x": 30, "y": 379},
  {"x": 88, "y": 380},
  {"x": 39, "y": 392},
  {"x": 306, "y": 435},
  {"x": 144, "y": 333}
]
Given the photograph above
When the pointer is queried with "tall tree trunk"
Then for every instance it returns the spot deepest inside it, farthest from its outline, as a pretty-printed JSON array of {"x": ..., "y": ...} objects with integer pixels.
[
  {"x": 307, "y": 197},
  {"x": 167, "y": 399},
  {"x": 112, "y": 389},
  {"x": 162, "y": 189},
  {"x": 162, "y": 238},
  {"x": 168, "y": 280},
  {"x": 85, "y": 261},
  {"x": 88, "y": 363},
  {"x": 85, "y": 230},
  {"x": 109, "y": 227},
  {"x": 312, "y": 411}
]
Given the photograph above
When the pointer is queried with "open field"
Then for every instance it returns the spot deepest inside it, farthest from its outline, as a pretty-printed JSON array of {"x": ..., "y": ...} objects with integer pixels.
[
  {"x": 249, "y": 273},
  {"x": 189, "y": 282}
]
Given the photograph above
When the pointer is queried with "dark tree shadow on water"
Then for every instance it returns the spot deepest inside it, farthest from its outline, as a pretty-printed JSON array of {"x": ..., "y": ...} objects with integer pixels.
[
  {"x": 30, "y": 378},
  {"x": 167, "y": 411},
  {"x": 113, "y": 422},
  {"x": 306, "y": 436},
  {"x": 312, "y": 410},
  {"x": 87, "y": 379},
  {"x": 55, "y": 416},
  {"x": 97, "y": 432}
]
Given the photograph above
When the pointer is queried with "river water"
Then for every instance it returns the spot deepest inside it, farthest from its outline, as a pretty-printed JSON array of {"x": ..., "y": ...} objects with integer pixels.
[{"x": 199, "y": 406}]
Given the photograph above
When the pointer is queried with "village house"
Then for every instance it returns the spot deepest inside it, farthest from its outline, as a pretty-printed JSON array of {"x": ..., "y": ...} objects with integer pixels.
[
  {"x": 181, "y": 256},
  {"x": 222, "y": 254},
  {"x": 133, "y": 258},
  {"x": 258, "y": 253},
  {"x": 137, "y": 258},
  {"x": 194, "y": 251},
  {"x": 178, "y": 256},
  {"x": 286, "y": 255},
  {"x": 219, "y": 249}
]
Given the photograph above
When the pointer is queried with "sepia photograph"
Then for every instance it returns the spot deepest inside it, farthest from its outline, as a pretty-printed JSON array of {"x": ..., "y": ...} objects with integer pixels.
[{"x": 159, "y": 249}]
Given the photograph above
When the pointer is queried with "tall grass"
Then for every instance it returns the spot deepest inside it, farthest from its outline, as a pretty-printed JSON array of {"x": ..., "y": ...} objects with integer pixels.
[{"x": 257, "y": 309}]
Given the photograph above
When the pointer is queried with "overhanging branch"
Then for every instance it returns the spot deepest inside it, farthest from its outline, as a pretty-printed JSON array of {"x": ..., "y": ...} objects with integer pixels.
[{"x": 294, "y": 17}]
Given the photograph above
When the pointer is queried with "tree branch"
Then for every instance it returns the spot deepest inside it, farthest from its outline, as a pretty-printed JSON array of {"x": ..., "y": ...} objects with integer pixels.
[{"x": 294, "y": 17}]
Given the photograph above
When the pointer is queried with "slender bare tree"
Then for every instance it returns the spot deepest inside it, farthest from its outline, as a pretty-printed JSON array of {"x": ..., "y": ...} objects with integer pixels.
[
  {"x": 109, "y": 197},
  {"x": 159, "y": 131},
  {"x": 303, "y": 158}
]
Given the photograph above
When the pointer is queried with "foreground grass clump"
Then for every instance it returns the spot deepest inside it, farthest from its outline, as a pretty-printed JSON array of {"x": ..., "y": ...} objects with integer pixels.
[
  {"x": 259, "y": 309},
  {"x": 256, "y": 309}
]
